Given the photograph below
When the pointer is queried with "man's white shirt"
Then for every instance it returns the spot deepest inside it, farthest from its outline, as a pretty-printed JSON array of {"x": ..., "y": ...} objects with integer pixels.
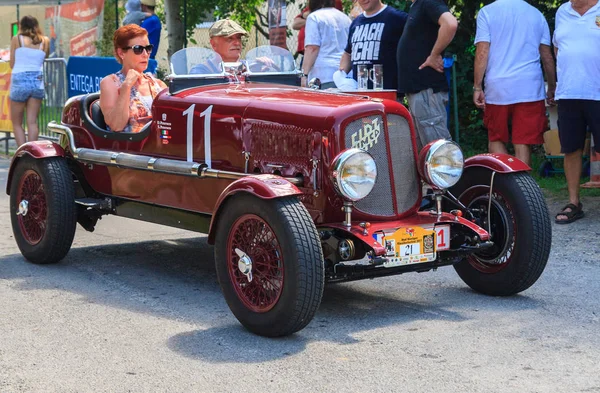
[
  {"x": 515, "y": 31},
  {"x": 577, "y": 38},
  {"x": 328, "y": 29}
]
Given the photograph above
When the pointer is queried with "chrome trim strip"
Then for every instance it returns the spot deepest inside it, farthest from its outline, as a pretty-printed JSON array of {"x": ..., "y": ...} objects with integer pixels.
[
  {"x": 153, "y": 164},
  {"x": 66, "y": 131}
]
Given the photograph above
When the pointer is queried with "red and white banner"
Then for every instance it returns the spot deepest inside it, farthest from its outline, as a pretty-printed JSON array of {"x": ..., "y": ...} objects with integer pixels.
[
  {"x": 84, "y": 44},
  {"x": 74, "y": 28}
]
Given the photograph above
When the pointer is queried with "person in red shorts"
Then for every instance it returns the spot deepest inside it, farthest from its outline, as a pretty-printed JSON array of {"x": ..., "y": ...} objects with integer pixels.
[{"x": 511, "y": 38}]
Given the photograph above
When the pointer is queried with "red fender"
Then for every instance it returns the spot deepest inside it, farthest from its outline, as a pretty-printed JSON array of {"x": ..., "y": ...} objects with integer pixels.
[
  {"x": 502, "y": 163},
  {"x": 263, "y": 186},
  {"x": 36, "y": 149}
]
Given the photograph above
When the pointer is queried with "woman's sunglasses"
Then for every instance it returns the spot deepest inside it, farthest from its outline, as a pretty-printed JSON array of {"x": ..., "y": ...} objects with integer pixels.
[{"x": 138, "y": 49}]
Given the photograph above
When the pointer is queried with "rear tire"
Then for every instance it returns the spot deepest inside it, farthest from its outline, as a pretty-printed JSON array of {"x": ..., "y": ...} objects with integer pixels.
[
  {"x": 42, "y": 192},
  {"x": 285, "y": 258},
  {"x": 521, "y": 230}
]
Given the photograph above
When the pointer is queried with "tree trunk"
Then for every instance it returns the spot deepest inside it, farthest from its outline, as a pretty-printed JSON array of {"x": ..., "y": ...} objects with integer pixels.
[{"x": 175, "y": 31}]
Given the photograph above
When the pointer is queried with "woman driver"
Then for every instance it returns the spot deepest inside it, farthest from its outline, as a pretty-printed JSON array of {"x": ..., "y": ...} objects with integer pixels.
[{"x": 126, "y": 97}]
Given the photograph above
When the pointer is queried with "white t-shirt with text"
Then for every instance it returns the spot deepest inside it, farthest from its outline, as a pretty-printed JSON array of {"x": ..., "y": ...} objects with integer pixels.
[{"x": 515, "y": 31}]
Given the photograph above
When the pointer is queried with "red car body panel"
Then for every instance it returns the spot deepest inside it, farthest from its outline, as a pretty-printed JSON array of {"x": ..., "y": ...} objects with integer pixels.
[
  {"x": 289, "y": 132},
  {"x": 263, "y": 186},
  {"x": 36, "y": 149},
  {"x": 502, "y": 163},
  {"x": 283, "y": 127}
]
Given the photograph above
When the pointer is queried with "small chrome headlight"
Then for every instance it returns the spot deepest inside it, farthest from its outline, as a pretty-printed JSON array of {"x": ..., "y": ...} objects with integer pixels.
[
  {"x": 354, "y": 174},
  {"x": 441, "y": 163}
]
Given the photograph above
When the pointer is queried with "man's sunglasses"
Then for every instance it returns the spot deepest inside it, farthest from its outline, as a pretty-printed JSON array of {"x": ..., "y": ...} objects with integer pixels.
[{"x": 138, "y": 49}]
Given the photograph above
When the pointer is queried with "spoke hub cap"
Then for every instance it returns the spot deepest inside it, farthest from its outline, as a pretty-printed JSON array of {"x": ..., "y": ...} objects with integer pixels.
[
  {"x": 23, "y": 208},
  {"x": 244, "y": 264}
]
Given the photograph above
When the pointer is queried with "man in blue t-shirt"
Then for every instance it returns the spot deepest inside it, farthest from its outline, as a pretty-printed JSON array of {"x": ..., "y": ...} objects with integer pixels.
[
  {"x": 373, "y": 39},
  {"x": 152, "y": 25}
]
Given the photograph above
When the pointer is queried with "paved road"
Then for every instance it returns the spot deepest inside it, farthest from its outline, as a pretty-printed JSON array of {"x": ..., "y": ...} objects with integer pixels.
[{"x": 136, "y": 307}]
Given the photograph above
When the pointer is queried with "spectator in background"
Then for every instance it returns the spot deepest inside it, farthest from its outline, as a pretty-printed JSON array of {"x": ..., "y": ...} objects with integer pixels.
[
  {"x": 326, "y": 35},
  {"x": 356, "y": 10},
  {"x": 429, "y": 30},
  {"x": 134, "y": 13},
  {"x": 28, "y": 50},
  {"x": 511, "y": 38},
  {"x": 373, "y": 39},
  {"x": 576, "y": 43},
  {"x": 152, "y": 25},
  {"x": 299, "y": 23},
  {"x": 126, "y": 97}
]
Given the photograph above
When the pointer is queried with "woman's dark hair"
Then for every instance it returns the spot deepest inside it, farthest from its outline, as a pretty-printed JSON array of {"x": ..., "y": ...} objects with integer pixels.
[
  {"x": 29, "y": 27},
  {"x": 314, "y": 5}
]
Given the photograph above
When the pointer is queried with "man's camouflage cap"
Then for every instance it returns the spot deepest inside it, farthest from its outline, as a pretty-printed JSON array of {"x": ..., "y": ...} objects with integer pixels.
[{"x": 225, "y": 28}]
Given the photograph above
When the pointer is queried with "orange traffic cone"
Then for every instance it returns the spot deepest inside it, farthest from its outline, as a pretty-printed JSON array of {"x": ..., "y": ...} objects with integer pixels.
[{"x": 594, "y": 168}]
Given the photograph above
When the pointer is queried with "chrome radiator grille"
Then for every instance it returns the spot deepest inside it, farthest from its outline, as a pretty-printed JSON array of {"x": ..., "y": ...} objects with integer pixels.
[
  {"x": 403, "y": 163},
  {"x": 368, "y": 133}
]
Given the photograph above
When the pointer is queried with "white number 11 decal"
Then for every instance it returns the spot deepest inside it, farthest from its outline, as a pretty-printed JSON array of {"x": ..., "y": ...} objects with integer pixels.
[{"x": 189, "y": 112}]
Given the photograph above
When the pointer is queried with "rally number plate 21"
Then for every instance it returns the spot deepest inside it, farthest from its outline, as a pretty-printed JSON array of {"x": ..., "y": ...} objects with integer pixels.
[{"x": 408, "y": 246}]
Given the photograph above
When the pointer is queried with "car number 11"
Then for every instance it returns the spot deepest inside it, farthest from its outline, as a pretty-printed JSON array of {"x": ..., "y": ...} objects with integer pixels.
[{"x": 189, "y": 112}]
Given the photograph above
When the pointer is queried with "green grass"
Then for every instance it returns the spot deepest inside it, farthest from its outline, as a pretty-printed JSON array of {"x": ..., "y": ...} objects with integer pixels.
[{"x": 555, "y": 185}]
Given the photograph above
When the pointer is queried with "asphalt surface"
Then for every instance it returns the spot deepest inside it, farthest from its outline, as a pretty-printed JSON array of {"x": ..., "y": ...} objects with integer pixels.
[{"x": 137, "y": 307}]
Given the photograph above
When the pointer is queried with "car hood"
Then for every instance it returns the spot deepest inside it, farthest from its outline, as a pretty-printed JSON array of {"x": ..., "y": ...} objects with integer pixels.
[{"x": 286, "y": 104}]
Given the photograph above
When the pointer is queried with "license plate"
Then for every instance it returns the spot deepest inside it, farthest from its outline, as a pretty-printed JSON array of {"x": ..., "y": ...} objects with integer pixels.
[{"x": 409, "y": 245}]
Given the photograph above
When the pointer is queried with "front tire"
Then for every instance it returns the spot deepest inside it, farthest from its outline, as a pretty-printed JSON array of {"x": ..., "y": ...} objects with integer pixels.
[
  {"x": 269, "y": 264},
  {"x": 520, "y": 229},
  {"x": 42, "y": 208}
]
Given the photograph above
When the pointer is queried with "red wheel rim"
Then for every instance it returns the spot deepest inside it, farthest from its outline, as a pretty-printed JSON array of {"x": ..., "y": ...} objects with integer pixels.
[
  {"x": 252, "y": 235},
  {"x": 33, "y": 223}
]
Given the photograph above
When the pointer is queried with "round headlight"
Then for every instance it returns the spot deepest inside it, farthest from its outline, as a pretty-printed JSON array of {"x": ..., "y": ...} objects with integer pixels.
[
  {"x": 354, "y": 174},
  {"x": 442, "y": 163}
]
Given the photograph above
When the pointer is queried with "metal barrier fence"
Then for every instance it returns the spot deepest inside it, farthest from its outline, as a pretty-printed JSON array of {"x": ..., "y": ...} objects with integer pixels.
[{"x": 56, "y": 88}]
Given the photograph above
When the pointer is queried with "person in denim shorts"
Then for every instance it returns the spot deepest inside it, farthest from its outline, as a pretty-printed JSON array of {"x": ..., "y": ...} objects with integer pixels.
[{"x": 28, "y": 50}]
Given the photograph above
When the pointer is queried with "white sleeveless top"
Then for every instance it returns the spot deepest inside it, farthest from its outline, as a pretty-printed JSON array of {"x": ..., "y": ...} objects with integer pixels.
[{"x": 28, "y": 59}]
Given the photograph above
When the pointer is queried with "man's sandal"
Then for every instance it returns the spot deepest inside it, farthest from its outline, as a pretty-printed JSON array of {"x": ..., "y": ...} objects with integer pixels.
[{"x": 575, "y": 214}]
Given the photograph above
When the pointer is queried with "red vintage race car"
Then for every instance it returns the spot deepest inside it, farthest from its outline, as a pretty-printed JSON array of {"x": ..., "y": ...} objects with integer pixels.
[{"x": 295, "y": 187}]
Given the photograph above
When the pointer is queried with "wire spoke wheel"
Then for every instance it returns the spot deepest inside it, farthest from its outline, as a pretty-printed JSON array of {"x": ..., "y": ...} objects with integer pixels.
[
  {"x": 270, "y": 263},
  {"x": 256, "y": 238},
  {"x": 33, "y": 208},
  {"x": 519, "y": 225},
  {"x": 42, "y": 208}
]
